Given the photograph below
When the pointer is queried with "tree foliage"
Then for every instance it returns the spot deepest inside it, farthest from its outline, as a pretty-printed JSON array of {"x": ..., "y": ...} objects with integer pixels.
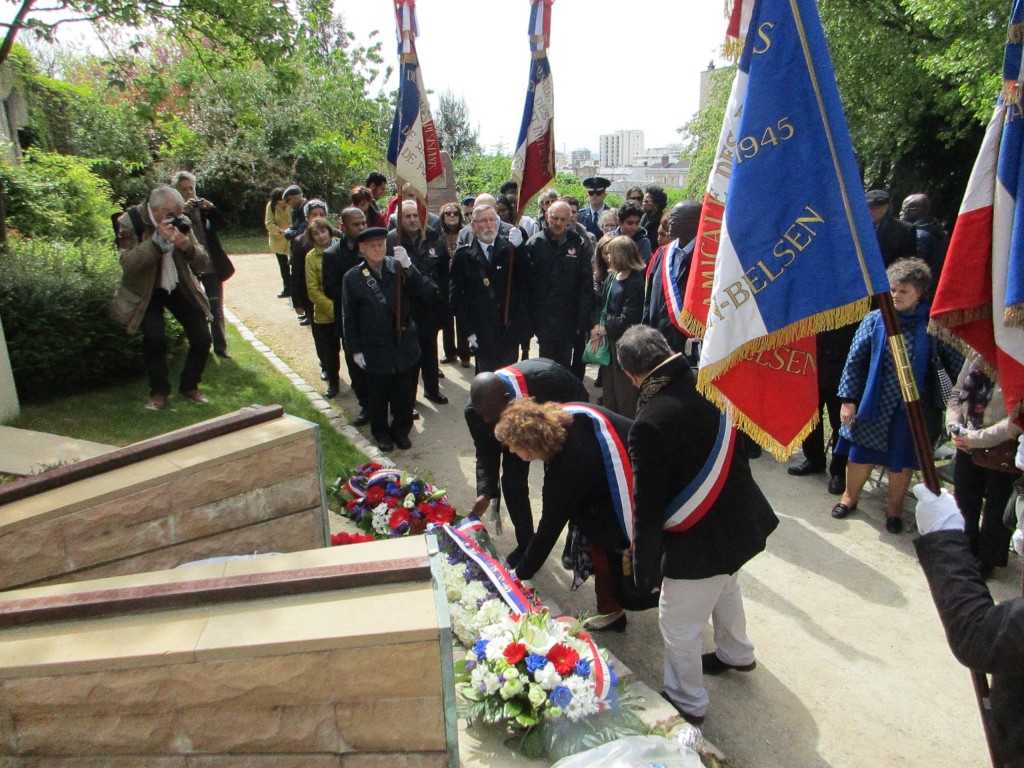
[
  {"x": 701, "y": 133},
  {"x": 453, "y": 126}
]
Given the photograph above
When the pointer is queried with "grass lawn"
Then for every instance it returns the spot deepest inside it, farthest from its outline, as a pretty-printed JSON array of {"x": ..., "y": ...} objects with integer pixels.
[
  {"x": 245, "y": 241},
  {"x": 115, "y": 415}
]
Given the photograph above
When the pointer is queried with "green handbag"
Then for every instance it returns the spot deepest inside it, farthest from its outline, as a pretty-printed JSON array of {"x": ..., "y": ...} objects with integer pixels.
[{"x": 602, "y": 353}]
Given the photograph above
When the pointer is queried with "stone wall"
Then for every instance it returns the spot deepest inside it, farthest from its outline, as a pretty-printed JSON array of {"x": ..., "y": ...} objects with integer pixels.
[{"x": 259, "y": 489}]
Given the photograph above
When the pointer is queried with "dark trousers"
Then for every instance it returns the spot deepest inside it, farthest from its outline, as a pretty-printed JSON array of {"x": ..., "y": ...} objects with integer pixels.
[
  {"x": 427, "y": 334},
  {"x": 453, "y": 340},
  {"x": 578, "y": 367},
  {"x": 814, "y": 443},
  {"x": 360, "y": 383},
  {"x": 394, "y": 391},
  {"x": 504, "y": 353},
  {"x": 214, "y": 288},
  {"x": 515, "y": 487},
  {"x": 154, "y": 340},
  {"x": 982, "y": 494},
  {"x": 560, "y": 351},
  {"x": 328, "y": 349},
  {"x": 282, "y": 265}
]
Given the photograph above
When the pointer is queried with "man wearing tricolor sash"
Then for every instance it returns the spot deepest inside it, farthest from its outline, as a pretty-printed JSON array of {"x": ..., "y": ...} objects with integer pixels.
[
  {"x": 667, "y": 273},
  {"x": 698, "y": 518}
]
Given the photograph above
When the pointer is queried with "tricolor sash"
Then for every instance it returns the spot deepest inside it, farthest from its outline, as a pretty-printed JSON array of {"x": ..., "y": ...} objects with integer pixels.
[
  {"x": 693, "y": 502},
  {"x": 673, "y": 296},
  {"x": 617, "y": 467},
  {"x": 515, "y": 382},
  {"x": 504, "y": 584}
]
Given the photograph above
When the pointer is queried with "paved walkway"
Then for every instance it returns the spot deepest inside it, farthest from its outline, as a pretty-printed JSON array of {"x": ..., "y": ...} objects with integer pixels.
[
  {"x": 25, "y": 452},
  {"x": 853, "y": 667}
]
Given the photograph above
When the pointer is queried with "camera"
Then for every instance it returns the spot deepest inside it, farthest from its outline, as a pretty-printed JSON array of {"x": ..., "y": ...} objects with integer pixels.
[
  {"x": 181, "y": 224},
  {"x": 955, "y": 429}
]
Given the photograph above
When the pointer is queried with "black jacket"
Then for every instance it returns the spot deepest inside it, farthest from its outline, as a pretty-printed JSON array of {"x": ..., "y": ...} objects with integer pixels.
[
  {"x": 478, "y": 290},
  {"x": 430, "y": 256},
  {"x": 982, "y": 635},
  {"x": 624, "y": 312},
  {"x": 211, "y": 220},
  {"x": 338, "y": 260},
  {"x": 896, "y": 239},
  {"x": 546, "y": 381},
  {"x": 561, "y": 285},
  {"x": 674, "y": 433},
  {"x": 576, "y": 488},
  {"x": 370, "y": 325},
  {"x": 655, "y": 312}
]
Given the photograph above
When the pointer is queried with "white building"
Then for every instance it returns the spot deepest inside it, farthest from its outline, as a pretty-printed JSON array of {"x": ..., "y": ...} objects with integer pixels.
[
  {"x": 659, "y": 156},
  {"x": 620, "y": 148}
]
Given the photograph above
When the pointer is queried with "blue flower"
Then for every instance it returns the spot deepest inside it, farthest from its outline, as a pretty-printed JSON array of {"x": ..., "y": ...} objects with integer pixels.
[
  {"x": 470, "y": 665},
  {"x": 480, "y": 649},
  {"x": 415, "y": 487},
  {"x": 615, "y": 678},
  {"x": 582, "y": 668},
  {"x": 535, "y": 662},
  {"x": 391, "y": 489},
  {"x": 561, "y": 696}
]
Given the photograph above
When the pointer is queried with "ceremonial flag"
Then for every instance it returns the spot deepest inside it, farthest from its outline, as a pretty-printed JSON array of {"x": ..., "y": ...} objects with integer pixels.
[
  {"x": 533, "y": 164},
  {"x": 981, "y": 288},
  {"x": 413, "y": 151},
  {"x": 796, "y": 250}
]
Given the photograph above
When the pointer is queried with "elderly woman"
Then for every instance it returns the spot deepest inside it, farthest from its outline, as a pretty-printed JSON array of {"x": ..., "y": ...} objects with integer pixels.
[
  {"x": 619, "y": 305},
  {"x": 573, "y": 441},
  {"x": 875, "y": 429},
  {"x": 547, "y": 197},
  {"x": 977, "y": 419},
  {"x": 609, "y": 220}
]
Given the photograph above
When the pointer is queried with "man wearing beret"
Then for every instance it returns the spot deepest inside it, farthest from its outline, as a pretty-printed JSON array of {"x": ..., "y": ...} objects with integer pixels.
[
  {"x": 381, "y": 335},
  {"x": 597, "y": 188}
]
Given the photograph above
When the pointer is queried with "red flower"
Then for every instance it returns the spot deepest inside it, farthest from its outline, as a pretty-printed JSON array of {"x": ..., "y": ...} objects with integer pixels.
[
  {"x": 392, "y": 502},
  {"x": 339, "y": 539},
  {"x": 514, "y": 653},
  {"x": 563, "y": 657},
  {"x": 375, "y": 496},
  {"x": 441, "y": 515},
  {"x": 417, "y": 525},
  {"x": 350, "y": 505},
  {"x": 399, "y": 516}
]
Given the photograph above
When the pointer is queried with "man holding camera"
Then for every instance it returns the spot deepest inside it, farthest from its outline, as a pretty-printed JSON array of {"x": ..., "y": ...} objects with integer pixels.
[{"x": 159, "y": 255}]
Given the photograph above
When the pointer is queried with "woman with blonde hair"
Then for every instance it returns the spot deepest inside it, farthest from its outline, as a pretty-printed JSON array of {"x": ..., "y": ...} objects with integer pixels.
[
  {"x": 619, "y": 305},
  {"x": 574, "y": 440}
]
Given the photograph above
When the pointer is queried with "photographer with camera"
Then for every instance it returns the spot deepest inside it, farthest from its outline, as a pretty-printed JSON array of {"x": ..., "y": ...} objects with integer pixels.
[{"x": 159, "y": 254}]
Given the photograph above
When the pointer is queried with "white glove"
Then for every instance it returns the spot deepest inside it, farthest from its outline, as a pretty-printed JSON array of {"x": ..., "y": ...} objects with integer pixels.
[
  {"x": 403, "y": 257},
  {"x": 472, "y": 341},
  {"x": 936, "y": 513},
  {"x": 1019, "y": 460},
  {"x": 1017, "y": 542},
  {"x": 360, "y": 359},
  {"x": 515, "y": 237}
]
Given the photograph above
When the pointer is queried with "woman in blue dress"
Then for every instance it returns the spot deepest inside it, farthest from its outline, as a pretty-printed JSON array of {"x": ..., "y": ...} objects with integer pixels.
[{"x": 875, "y": 429}]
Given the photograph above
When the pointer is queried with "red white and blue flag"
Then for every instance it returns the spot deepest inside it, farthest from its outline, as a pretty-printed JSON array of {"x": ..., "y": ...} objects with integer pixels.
[
  {"x": 533, "y": 164},
  {"x": 786, "y": 247},
  {"x": 414, "y": 151},
  {"x": 980, "y": 294}
]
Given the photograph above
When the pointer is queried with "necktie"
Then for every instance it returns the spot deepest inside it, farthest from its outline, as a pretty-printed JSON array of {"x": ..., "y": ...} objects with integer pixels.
[{"x": 487, "y": 253}]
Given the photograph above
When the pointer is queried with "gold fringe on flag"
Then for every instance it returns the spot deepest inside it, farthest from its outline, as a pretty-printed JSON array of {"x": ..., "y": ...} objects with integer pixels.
[
  {"x": 747, "y": 425},
  {"x": 1015, "y": 34},
  {"x": 732, "y": 49},
  {"x": 692, "y": 325},
  {"x": 1014, "y": 316},
  {"x": 941, "y": 332},
  {"x": 1011, "y": 93}
]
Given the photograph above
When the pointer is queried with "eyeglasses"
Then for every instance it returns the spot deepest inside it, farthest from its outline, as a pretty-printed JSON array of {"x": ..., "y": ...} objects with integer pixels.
[
  {"x": 451, "y": 213},
  {"x": 595, "y": 192}
]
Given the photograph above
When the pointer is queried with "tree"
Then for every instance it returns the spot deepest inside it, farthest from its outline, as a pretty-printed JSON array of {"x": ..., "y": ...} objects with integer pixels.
[
  {"x": 701, "y": 133},
  {"x": 263, "y": 26},
  {"x": 453, "y": 127}
]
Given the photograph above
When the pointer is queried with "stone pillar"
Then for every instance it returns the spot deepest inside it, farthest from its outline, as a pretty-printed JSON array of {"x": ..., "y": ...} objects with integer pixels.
[
  {"x": 9, "y": 407},
  {"x": 442, "y": 189}
]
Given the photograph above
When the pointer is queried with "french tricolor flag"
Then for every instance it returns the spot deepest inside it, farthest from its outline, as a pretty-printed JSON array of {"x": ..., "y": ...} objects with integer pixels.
[
  {"x": 981, "y": 289},
  {"x": 533, "y": 164}
]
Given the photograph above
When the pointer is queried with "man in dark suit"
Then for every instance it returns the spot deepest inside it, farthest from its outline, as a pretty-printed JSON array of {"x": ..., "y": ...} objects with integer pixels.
[
  {"x": 489, "y": 394},
  {"x": 691, "y": 541},
  {"x": 896, "y": 239},
  {"x": 597, "y": 189}
]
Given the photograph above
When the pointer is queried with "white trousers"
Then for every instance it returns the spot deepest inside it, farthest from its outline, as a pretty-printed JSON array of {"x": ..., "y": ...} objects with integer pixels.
[{"x": 683, "y": 612}]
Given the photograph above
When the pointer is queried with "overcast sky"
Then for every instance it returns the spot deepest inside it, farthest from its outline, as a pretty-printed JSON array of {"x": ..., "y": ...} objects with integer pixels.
[{"x": 616, "y": 65}]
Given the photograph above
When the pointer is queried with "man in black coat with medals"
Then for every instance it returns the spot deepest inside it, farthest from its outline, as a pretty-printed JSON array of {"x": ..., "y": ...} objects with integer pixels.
[
  {"x": 490, "y": 280},
  {"x": 338, "y": 260},
  {"x": 561, "y": 289},
  {"x": 543, "y": 380},
  {"x": 698, "y": 518},
  {"x": 429, "y": 255},
  {"x": 381, "y": 334}
]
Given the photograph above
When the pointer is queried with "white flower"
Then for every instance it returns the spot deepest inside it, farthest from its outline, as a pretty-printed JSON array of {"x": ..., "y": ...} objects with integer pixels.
[
  {"x": 547, "y": 678},
  {"x": 495, "y": 650},
  {"x": 584, "y": 698},
  {"x": 410, "y": 501},
  {"x": 379, "y": 521},
  {"x": 472, "y": 593}
]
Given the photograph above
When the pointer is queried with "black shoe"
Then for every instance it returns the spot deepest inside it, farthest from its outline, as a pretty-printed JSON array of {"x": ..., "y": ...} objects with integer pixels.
[
  {"x": 332, "y": 392},
  {"x": 323, "y": 375},
  {"x": 806, "y": 467},
  {"x": 840, "y": 510},
  {"x": 403, "y": 443},
  {"x": 894, "y": 524},
  {"x": 836, "y": 485},
  {"x": 567, "y": 562},
  {"x": 436, "y": 398},
  {"x": 385, "y": 445},
  {"x": 712, "y": 665},
  {"x": 223, "y": 354},
  {"x": 465, "y": 362},
  {"x": 305, "y": 320},
  {"x": 447, "y": 359},
  {"x": 415, "y": 415},
  {"x": 514, "y": 556},
  {"x": 362, "y": 419},
  {"x": 284, "y": 294},
  {"x": 691, "y": 719},
  {"x": 609, "y": 624},
  {"x": 440, "y": 375}
]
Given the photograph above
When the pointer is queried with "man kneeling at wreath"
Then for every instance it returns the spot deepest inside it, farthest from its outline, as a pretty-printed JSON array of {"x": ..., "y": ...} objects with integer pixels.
[{"x": 699, "y": 516}]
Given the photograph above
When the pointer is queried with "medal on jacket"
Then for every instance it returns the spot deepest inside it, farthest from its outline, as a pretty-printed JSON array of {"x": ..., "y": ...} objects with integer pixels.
[{"x": 487, "y": 283}]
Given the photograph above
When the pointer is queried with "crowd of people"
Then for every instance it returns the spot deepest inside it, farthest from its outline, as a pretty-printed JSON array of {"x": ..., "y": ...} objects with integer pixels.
[{"x": 590, "y": 284}]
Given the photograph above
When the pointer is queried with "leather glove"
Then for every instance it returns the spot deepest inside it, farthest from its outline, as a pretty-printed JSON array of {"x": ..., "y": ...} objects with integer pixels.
[
  {"x": 360, "y": 359},
  {"x": 936, "y": 513},
  {"x": 403, "y": 257},
  {"x": 515, "y": 237},
  {"x": 1019, "y": 459},
  {"x": 472, "y": 341}
]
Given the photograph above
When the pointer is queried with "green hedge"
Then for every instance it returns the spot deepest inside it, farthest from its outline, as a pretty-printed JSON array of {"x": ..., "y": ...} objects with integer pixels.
[{"x": 53, "y": 302}]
